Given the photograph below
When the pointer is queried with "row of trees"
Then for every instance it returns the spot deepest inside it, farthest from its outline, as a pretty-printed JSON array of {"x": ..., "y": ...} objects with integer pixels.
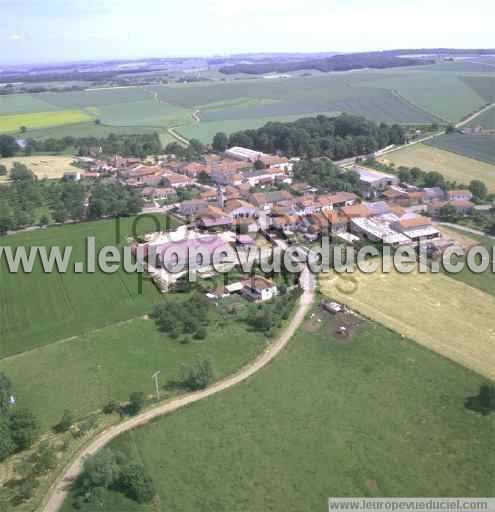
[
  {"x": 338, "y": 137},
  {"x": 135, "y": 145},
  {"x": 21, "y": 200}
]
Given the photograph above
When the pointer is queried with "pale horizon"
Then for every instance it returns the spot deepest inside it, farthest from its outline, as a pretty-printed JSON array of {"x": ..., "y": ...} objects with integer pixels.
[{"x": 35, "y": 32}]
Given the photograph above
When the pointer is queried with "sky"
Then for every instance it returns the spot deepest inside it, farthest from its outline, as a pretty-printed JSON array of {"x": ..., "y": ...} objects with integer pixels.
[{"x": 41, "y": 31}]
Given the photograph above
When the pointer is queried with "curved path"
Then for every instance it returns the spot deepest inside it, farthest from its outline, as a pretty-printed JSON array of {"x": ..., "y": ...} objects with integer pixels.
[{"x": 60, "y": 489}]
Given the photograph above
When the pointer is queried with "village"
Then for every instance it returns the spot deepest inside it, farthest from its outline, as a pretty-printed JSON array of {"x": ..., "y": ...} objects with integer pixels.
[{"x": 247, "y": 199}]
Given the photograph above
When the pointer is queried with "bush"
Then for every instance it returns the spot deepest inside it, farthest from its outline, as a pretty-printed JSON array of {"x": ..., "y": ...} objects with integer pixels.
[
  {"x": 136, "y": 484},
  {"x": 136, "y": 402},
  {"x": 111, "y": 407},
  {"x": 65, "y": 422},
  {"x": 45, "y": 459},
  {"x": 198, "y": 376},
  {"x": 7, "y": 444},
  {"x": 200, "y": 333},
  {"x": 24, "y": 428}
]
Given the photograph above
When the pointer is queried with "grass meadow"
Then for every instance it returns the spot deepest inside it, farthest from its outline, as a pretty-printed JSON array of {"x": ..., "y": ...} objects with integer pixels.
[
  {"x": 443, "y": 314},
  {"x": 83, "y": 373},
  {"x": 37, "y": 309},
  {"x": 453, "y": 166},
  {"x": 374, "y": 415}
]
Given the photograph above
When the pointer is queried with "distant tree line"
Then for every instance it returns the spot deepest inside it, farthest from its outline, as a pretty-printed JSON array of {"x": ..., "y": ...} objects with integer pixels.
[
  {"x": 334, "y": 63},
  {"x": 21, "y": 199},
  {"x": 338, "y": 137}
]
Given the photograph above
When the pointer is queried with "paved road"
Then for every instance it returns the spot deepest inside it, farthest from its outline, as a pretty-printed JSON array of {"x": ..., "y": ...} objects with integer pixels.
[{"x": 59, "y": 491}]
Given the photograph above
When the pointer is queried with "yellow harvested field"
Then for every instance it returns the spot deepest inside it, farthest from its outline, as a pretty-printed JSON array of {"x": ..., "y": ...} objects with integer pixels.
[
  {"x": 51, "y": 167},
  {"x": 452, "y": 166},
  {"x": 441, "y": 313}
]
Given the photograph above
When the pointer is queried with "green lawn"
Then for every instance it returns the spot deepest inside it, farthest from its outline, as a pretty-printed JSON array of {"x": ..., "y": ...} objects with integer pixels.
[
  {"x": 39, "y": 308},
  {"x": 373, "y": 416}
]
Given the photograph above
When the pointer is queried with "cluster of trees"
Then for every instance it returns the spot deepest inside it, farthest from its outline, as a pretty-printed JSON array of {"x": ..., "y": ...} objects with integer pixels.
[
  {"x": 325, "y": 175},
  {"x": 113, "y": 200},
  {"x": 112, "y": 470},
  {"x": 137, "y": 145},
  {"x": 18, "y": 427},
  {"x": 193, "y": 151},
  {"x": 484, "y": 402},
  {"x": 65, "y": 200},
  {"x": 269, "y": 316},
  {"x": 375, "y": 60},
  {"x": 338, "y": 137},
  {"x": 8, "y": 146},
  {"x": 174, "y": 319},
  {"x": 198, "y": 376}
]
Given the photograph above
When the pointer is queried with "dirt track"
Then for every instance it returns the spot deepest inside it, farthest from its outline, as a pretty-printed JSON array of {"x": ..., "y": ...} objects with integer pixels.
[{"x": 59, "y": 491}]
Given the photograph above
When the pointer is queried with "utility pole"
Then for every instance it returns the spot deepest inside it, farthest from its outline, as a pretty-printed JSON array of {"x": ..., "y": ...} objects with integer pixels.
[{"x": 157, "y": 386}]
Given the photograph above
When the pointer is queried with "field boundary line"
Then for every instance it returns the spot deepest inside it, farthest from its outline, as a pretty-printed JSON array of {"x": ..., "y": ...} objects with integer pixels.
[
  {"x": 475, "y": 115},
  {"x": 458, "y": 153},
  {"x": 72, "y": 338},
  {"x": 396, "y": 93},
  {"x": 58, "y": 492}
]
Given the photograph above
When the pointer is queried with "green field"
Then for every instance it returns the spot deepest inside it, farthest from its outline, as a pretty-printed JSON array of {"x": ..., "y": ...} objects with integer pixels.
[
  {"x": 453, "y": 166},
  {"x": 12, "y": 123},
  {"x": 38, "y": 309},
  {"x": 478, "y": 147},
  {"x": 485, "y": 120},
  {"x": 111, "y": 362},
  {"x": 445, "y": 92},
  {"x": 375, "y": 415}
]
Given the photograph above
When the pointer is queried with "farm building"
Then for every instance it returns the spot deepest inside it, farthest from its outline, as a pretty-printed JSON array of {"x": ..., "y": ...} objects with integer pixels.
[
  {"x": 248, "y": 155},
  {"x": 259, "y": 289},
  {"x": 376, "y": 231},
  {"x": 374, "y": 183}
]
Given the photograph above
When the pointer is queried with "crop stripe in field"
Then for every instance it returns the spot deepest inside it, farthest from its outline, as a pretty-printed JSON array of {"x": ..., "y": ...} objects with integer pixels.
[
  {"x": 430, "y": 143},
  {"x": 396, "y": 93}
]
